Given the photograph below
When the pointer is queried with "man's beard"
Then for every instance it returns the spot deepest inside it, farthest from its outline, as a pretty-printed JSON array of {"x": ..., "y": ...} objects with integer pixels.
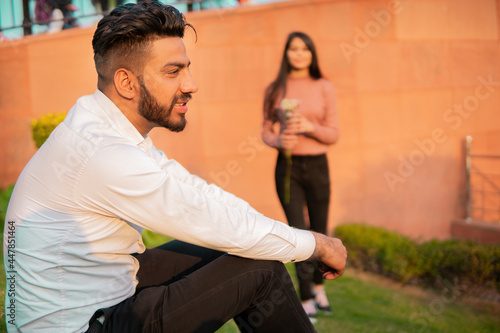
[{"x": 153, "y": 111}]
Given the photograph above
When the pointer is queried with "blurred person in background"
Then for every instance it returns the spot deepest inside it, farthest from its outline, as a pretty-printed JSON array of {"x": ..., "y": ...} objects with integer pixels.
[
  {"x": 57, "y": 14},
  {"x": 306, "y": 135}
]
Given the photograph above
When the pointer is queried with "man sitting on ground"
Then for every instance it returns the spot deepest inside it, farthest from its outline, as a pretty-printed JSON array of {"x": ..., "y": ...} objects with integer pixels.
[{"x": 73, "y": 231}]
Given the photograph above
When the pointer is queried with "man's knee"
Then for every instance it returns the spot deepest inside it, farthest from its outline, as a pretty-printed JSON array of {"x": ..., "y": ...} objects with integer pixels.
[{"x": 274, "y": 290}]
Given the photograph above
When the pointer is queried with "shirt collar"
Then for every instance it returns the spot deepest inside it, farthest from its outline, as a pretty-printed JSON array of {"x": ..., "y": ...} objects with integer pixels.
[{"x": 122, "y": 124}]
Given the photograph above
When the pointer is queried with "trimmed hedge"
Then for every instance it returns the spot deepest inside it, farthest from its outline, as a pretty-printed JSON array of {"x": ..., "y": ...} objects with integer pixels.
[
  {"x": 43, "y": 126},
  {"x": 430, "y": 263}
]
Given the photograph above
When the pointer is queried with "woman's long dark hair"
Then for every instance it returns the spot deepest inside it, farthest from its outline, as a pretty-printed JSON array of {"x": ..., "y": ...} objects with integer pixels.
[{"x": 278, "y": 86}]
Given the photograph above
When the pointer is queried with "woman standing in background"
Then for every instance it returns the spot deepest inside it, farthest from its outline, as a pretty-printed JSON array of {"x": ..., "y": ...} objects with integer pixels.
[{"x": 306, "y": 135}]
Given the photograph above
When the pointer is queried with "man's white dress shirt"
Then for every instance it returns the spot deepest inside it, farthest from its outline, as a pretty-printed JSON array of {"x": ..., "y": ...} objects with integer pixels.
[{"x": 80, "y": 205}]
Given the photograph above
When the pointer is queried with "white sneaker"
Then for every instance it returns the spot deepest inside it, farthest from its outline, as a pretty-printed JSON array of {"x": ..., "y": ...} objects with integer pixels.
[
  {"x": 322, "y": 302},
  {"x": 310, "y": 309}
]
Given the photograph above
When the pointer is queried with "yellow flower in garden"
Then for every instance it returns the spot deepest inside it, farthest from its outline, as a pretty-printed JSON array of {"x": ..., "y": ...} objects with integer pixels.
[{"x": 43, "y": 126}]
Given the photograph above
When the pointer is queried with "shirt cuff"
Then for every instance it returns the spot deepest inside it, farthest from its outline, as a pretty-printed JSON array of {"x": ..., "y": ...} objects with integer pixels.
[{"x": 306, "y": 244}]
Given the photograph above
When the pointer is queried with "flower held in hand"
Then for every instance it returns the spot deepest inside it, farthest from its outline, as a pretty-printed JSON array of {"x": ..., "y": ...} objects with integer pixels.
[{"x": 290, "y": 108}]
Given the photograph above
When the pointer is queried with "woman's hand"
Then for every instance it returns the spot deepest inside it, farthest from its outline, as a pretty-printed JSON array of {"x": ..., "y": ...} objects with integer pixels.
[
  {"x": 287, "y": 139},
  {"x": 300, "y": 124}
]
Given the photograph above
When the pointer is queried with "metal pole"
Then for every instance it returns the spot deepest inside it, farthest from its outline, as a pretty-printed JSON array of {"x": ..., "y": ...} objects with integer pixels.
[
  {"x": 468, "y": 167},
  {"x": 26, "y": 18}
]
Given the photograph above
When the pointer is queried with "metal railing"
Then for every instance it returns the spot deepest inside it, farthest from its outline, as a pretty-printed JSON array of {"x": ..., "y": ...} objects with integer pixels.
[
  {"x": 482, "y": 172},
  {"x": 20, "y": 13}
]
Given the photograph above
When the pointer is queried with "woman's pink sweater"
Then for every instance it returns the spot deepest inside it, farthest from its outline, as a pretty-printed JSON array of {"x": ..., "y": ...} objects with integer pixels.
[{"x": 318, "y": 103}]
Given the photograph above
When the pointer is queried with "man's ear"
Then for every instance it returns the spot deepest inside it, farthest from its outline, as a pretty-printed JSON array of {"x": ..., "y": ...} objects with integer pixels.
[{"x": 126, "y": 84}]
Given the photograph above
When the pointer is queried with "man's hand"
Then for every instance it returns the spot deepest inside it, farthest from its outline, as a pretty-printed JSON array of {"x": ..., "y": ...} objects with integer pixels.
[{"x": 332, "y": 253}]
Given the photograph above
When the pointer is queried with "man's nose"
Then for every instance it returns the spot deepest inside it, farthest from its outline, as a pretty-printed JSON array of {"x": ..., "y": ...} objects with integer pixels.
[{"x": 189, "y": 85}]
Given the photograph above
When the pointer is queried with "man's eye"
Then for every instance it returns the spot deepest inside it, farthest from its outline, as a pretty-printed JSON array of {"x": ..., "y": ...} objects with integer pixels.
[{"x": 172, "y": 72}]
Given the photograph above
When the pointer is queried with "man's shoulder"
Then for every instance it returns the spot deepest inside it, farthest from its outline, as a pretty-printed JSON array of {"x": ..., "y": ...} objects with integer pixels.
[{"x": 87, "y": 119}]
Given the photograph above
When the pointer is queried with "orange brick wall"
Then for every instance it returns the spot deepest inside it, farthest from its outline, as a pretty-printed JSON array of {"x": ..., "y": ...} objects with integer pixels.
[{"x": 413, "y": 79}]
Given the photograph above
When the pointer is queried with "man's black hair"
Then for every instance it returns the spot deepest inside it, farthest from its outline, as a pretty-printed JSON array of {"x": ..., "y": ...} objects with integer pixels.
[{"x": 123, "y": 37}]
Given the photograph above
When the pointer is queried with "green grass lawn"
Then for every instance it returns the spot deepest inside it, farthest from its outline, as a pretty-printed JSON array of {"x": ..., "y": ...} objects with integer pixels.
[
  {"x": 367, "y": 303},
  {"x": 364, "y": 302}
]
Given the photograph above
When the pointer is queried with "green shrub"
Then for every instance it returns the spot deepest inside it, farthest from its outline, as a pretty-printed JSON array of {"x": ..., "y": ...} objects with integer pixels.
[
  {"x": 430, "y": 263},
  {"x": 453, "y": 260},
  {"x": 378, "y": 250},
  {"x": 43, "y": 126}
]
